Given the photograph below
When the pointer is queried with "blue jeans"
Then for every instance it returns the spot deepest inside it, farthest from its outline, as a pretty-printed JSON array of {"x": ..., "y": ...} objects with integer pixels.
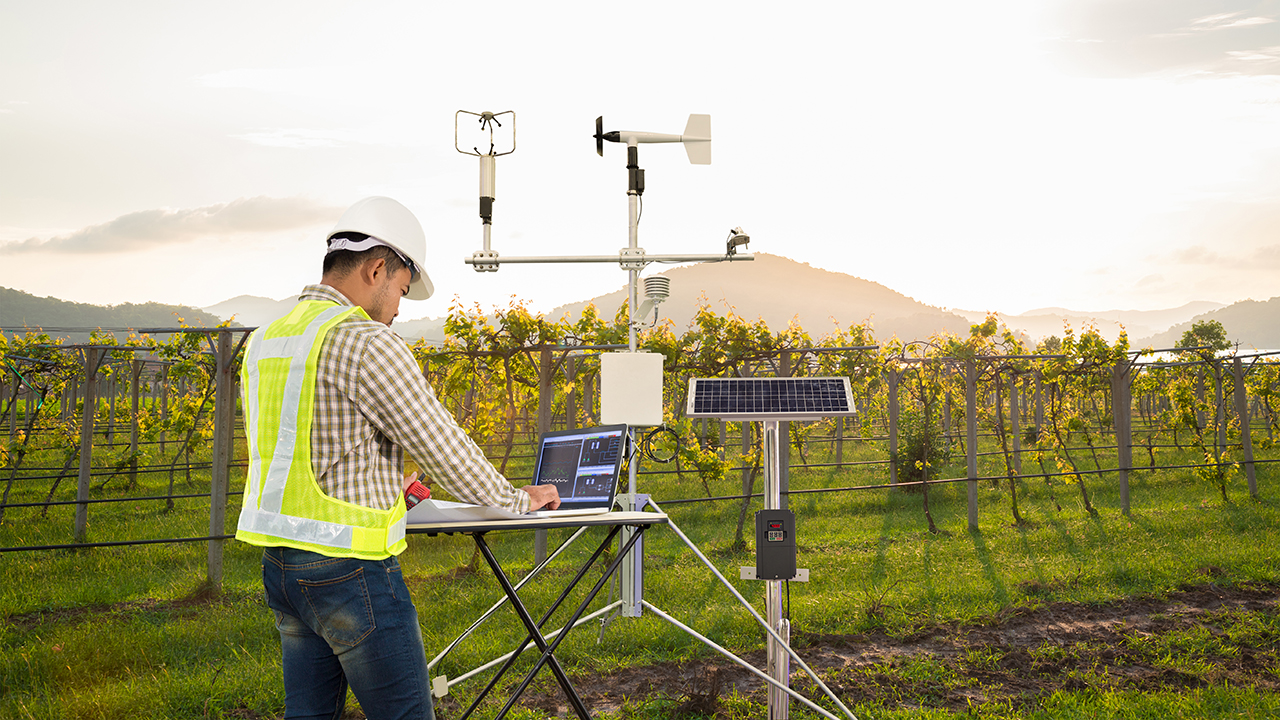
[{"x": 345, "y": 622}]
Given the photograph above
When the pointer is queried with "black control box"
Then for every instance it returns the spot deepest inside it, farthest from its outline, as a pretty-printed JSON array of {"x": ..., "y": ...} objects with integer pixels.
[{"x": 775, "y": 545}]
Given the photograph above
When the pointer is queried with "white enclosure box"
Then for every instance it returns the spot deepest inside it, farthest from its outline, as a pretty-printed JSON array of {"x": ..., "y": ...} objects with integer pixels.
[{"x": 631, "y": 389}]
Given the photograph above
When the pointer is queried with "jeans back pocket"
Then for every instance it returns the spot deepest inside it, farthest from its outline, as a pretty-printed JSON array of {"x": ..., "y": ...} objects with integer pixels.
[{"x": 342, "y": 608}]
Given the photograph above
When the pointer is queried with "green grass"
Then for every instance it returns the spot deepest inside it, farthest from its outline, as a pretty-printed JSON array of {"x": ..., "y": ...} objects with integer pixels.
[{"x": 110, "y": 633}]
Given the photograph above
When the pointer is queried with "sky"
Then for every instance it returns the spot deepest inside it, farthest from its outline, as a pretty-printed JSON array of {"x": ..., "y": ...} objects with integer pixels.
[{"x": 1000, "y": 156}]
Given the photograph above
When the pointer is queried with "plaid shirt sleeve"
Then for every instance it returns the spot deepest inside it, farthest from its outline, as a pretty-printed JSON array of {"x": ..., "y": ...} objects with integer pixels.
[{"x": 395, "y": 397}]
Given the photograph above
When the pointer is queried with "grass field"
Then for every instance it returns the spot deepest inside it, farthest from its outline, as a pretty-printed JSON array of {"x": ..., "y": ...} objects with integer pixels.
[{"x": 131, "y": 632}]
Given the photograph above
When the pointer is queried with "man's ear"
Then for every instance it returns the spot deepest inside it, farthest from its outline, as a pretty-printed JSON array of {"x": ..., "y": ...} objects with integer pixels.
[{"x": 373, "y": 271}]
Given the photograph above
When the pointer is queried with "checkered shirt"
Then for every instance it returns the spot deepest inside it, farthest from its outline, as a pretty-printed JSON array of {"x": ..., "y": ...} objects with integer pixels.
[{"x": 372, "y": 405}]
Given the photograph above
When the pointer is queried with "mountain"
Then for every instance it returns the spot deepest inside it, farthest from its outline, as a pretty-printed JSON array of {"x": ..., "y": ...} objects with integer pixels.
[
  {"x": 1042, "y": 322},
  {"x": 20, "y": 310},
  {"x": 776, "y": 289},
  {"x": 1252, "y": 323},
  {"x": 251, "y": 310},
  {"x": 254, "y": 311}
]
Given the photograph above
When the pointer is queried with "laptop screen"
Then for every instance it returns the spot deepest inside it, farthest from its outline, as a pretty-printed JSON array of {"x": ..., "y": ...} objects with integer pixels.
[{"x": 583, "y": 464}]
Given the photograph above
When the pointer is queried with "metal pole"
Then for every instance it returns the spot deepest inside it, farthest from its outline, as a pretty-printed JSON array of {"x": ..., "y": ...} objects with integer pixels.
[
  {"x": 631, "y": 573},
  {"x": 784, "y": 441},
  {"x": 778, "y": 664}
]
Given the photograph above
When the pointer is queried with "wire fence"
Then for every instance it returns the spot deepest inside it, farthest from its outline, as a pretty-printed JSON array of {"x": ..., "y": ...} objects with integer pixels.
[{"x": 182, "y": 426}]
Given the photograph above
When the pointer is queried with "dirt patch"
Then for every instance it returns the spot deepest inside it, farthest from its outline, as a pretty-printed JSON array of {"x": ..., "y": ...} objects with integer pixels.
[
  {"x": 201, "y": 597},
  {"x": 1206, "y": 635}
]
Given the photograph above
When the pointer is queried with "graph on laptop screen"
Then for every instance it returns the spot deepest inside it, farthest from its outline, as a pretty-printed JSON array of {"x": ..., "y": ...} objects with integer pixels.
[{"x": 582, "y": 464}]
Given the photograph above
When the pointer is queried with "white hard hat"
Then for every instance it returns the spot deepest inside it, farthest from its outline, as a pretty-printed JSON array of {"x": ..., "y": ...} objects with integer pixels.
[{"x": 394, "y": 225}]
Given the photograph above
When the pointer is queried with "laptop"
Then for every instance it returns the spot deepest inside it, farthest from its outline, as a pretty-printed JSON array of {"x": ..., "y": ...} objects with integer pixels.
[{"x": 584, "y": 465}]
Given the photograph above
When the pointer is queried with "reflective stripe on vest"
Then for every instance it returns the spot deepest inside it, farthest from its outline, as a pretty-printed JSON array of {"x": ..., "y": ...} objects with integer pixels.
[{"x": 283, "y": 503}]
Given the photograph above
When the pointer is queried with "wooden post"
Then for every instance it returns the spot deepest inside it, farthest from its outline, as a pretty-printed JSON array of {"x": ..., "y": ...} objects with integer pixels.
[
  {"x": 13, "y": 405},
  {"x": 946, "y": 419},
  {"x": 135, "y": 378},
  {"x": 92, "y": 358},
  {"x": 1219, "y": 411},
  {"x": 1246, "y": 438},
  {"x": 1122, "y": 414},
  {"x": 111, "y": 389},
  {"x": 1200, "y": 421},
  {"x": 220, "y": 476},
  {"x": 163, "y": 379},
  {"x": 571, "y": 397},
  {"x": 545, "y": 401},
  {"x": 971, "y": 447},
  {"x": 1015, "y": 423},
  {"x": 893, "y": 426},
  {"x": 1039, "y": 404},
  {"x": 840, "y": 440}
]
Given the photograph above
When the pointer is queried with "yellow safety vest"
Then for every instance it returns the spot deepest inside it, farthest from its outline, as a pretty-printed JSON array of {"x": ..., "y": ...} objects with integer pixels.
[{"x": 283, "y": 503}]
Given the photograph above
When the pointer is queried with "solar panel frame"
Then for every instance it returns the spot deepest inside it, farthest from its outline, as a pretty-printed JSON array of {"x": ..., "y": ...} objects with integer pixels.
[{"x": 804, "y": 398}]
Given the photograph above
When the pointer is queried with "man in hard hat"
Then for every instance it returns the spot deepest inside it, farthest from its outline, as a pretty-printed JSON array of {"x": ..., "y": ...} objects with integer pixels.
[{"x": 333, "y": 400}]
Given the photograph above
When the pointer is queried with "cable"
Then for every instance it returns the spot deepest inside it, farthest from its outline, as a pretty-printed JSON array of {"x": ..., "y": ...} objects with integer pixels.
[{"x": 646, "y": 444}]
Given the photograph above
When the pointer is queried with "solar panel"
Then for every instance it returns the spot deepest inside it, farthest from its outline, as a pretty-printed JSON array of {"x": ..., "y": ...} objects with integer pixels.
[{"x": 804, "y": 398}]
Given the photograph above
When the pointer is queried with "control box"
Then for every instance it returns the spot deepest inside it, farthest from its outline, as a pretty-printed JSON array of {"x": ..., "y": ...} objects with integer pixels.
[
  {"x": 775, "y": 545},
  {"x": 631, "y": 389}
]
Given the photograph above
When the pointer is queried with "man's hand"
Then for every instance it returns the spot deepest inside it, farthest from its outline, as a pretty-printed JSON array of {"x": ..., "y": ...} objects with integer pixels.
[{"x": 541, "y": 496}]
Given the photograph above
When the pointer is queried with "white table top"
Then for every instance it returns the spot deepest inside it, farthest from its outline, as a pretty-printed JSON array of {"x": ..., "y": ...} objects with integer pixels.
[{"x": 538, "y": 523}]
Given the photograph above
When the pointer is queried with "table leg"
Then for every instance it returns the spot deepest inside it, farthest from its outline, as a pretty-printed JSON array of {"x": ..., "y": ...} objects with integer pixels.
[
  {"x": 535, "y": 634},
  {"x": 548, "y": 653}
]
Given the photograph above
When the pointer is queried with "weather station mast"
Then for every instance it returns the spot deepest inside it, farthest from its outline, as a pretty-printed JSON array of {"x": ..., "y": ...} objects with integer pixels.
[
  {"x": 630, "y": 382},
  {"x": 631, "y": 394}
]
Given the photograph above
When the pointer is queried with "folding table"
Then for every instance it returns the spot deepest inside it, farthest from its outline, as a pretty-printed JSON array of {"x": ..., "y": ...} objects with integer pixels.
[{"x": 614, "y": 521}]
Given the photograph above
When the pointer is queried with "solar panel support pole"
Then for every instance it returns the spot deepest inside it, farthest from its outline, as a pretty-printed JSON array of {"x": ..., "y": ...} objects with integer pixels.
[{"x": 778, "y": 664}]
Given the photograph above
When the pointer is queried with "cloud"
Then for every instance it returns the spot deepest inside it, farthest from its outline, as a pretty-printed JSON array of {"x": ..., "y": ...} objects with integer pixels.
[
  {"x": 1140, "y": 37},
  {"x": 1267, "y": 257},
  {"x": 156, "y": 228},
  {"x": 1268, "y": 54},
  {"x": 1225, "y": 21}
]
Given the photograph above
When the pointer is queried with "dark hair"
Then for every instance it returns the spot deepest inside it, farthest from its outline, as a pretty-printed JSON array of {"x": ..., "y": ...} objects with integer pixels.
[{"x": 342, "y": 262}]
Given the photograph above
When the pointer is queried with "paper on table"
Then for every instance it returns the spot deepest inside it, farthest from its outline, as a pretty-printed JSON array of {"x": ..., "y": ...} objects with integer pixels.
[{"x": 445, "y": 511}]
